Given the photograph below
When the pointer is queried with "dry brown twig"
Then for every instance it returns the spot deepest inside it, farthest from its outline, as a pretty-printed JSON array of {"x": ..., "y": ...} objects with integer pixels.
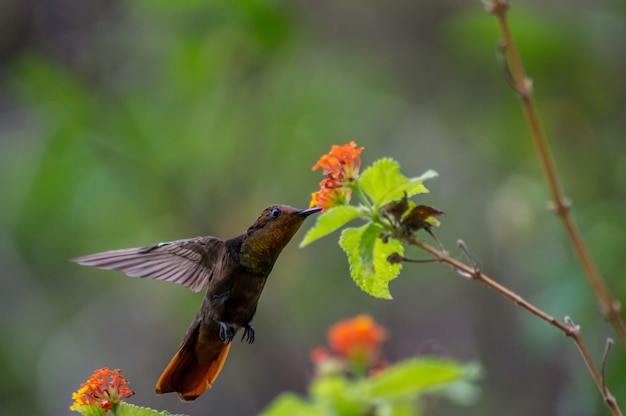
[
  {"x": 610, "y": 308},
  {"x": 567, "y": 327}
]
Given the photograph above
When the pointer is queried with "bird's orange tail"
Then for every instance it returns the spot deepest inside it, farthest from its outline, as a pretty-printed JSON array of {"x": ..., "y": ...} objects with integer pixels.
[{"x": 193, "y": 369}]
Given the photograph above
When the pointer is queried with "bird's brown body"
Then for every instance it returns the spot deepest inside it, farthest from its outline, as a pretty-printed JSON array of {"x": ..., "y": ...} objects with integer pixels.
[{"x": 233, "y": 272}]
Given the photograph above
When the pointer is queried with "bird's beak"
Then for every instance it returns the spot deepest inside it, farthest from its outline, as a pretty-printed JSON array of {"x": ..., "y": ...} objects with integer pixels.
[{"x": 307, "y": 212}]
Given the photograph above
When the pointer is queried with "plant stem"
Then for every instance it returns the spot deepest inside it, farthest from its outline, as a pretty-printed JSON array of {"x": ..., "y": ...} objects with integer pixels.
[
  {"x": 364, "y": 199},
  {"x": 610, "y": 308},
  {"x": 568, "y": 328}
]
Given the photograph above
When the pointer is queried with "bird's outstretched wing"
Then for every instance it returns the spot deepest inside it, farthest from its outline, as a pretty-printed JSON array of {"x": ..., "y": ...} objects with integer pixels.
[{"x": 187, "y": 262}]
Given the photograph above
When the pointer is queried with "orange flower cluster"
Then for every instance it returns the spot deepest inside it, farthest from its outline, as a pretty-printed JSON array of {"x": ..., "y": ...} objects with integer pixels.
[
  {"x": 359, "y": 336},
  {"x": 105, "y": 388},
  {"x": 340, "y": 167},
  {"x": 355, "y": 341}
]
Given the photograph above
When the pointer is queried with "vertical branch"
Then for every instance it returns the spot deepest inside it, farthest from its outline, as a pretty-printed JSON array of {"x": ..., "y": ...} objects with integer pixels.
[{"x": 610, "y": 308}]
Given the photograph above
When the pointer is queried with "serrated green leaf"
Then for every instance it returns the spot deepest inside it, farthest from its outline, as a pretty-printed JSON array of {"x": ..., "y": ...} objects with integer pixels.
[
  {"x": 411, "y": 187},
  {"x": 383, "y": 182},
  {"x": 127, "y": 409},
  {"x": 411, "y": 377},
  {"x": 372, "y": 281},
  {"x": 330, "y": 221},
  {"x": 385, "y": 271},
  {"x": 366, "y": 246},
  {"x": 380, "y": 178},
  {"x": 90, "y": 410}
]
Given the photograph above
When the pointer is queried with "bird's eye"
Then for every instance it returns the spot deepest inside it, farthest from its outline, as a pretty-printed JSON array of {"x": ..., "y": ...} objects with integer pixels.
[{"x": 275, "y": 212}]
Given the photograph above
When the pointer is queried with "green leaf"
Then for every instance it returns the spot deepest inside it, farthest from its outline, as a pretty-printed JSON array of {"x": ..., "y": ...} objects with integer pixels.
[
  {"x": 291, "y": 404},
  {"x": 336, "y": 395},
  {"x": 362, "y": 255},
  {"x": 383, "y": 182},
  {"x": 366, "y": 246},
  {"x": 464, "y": 392},
  {"x": 127, "y": 409},
  {"x": 330, "y": 387},
  {"x": 385, "y": 271},
  {"x": 91, "y": 410},
  {"x": 412, "y": 187},
  {"x": 414, "y": 376},
  {"x": 461, "y": 392},
  {"x": 381, "y": 177},
  {"x": 329, "y": 221}
]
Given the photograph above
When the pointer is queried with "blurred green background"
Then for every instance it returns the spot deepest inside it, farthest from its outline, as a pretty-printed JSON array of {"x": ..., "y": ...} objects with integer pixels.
[{"x": 128, "y": 123}]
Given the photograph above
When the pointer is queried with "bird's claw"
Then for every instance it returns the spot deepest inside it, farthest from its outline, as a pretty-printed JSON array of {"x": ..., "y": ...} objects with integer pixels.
[
  {"x": 226, "y": 334},
  {"x": 248, "y": 334}
]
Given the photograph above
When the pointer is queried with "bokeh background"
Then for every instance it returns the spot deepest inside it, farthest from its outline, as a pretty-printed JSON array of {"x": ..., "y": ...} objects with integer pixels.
[{"x": 128, "y": 123}]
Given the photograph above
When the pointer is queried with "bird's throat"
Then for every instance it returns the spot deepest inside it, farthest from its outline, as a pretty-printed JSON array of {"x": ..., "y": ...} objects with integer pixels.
[{"x": 261, "y": 248}]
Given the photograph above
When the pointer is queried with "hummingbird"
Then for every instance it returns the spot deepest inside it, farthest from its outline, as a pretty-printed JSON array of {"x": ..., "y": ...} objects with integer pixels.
[{"x": 233, "y": 272}]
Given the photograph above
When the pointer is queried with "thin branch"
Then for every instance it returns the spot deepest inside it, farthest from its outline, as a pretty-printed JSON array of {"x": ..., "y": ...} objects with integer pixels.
[
  {"x": 467, "y": 255},
  {"x": 568, "y": 327},
  {"x": 607, "y": 395},
  {"x": 610, "y": 308},
  {"x": 396, "y": 258}
]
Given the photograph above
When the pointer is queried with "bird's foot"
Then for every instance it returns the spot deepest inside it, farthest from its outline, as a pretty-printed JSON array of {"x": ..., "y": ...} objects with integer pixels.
[
  {"x": 248, "y": 334},
  {"x": 226, "y": 334}
]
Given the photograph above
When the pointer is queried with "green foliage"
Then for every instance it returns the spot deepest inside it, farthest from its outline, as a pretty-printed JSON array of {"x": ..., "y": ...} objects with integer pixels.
[
  {"x": 393, "y": 392},
  {"x": 337, "y": 394},
  {"x": 367, "y": 255},
  {"x": 292, "y": 404},
  {"x": 122, "y": 409},
  {"x": 412, "y": 377},
  {"x": 367, "y": 252},
  {"x": 91, "y": 410},
  {"x": 332, "y": 220},
  {"x": 382, "y": 182},
  {"x": 127, "y": 409}
]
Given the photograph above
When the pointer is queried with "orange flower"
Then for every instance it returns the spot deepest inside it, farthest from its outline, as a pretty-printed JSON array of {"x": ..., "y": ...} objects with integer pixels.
[
  {"x": 328, "y": 196},
  {"x": 357, "y": 338},
  {"x": 105, "y": 388},
  {"x": 341, "y": 164},
  {"x": 340, "y": 167}
]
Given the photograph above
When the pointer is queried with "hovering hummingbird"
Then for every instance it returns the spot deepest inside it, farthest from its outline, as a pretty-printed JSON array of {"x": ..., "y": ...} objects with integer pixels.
[{"x": 233, "y": 272}]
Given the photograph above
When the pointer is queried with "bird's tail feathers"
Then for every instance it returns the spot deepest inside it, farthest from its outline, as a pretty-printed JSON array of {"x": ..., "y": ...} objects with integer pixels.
[{"x": 189, "y": 374}]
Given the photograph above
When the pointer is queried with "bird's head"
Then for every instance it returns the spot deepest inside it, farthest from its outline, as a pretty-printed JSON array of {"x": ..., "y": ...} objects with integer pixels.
[{"x": 271, "y": 232}]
